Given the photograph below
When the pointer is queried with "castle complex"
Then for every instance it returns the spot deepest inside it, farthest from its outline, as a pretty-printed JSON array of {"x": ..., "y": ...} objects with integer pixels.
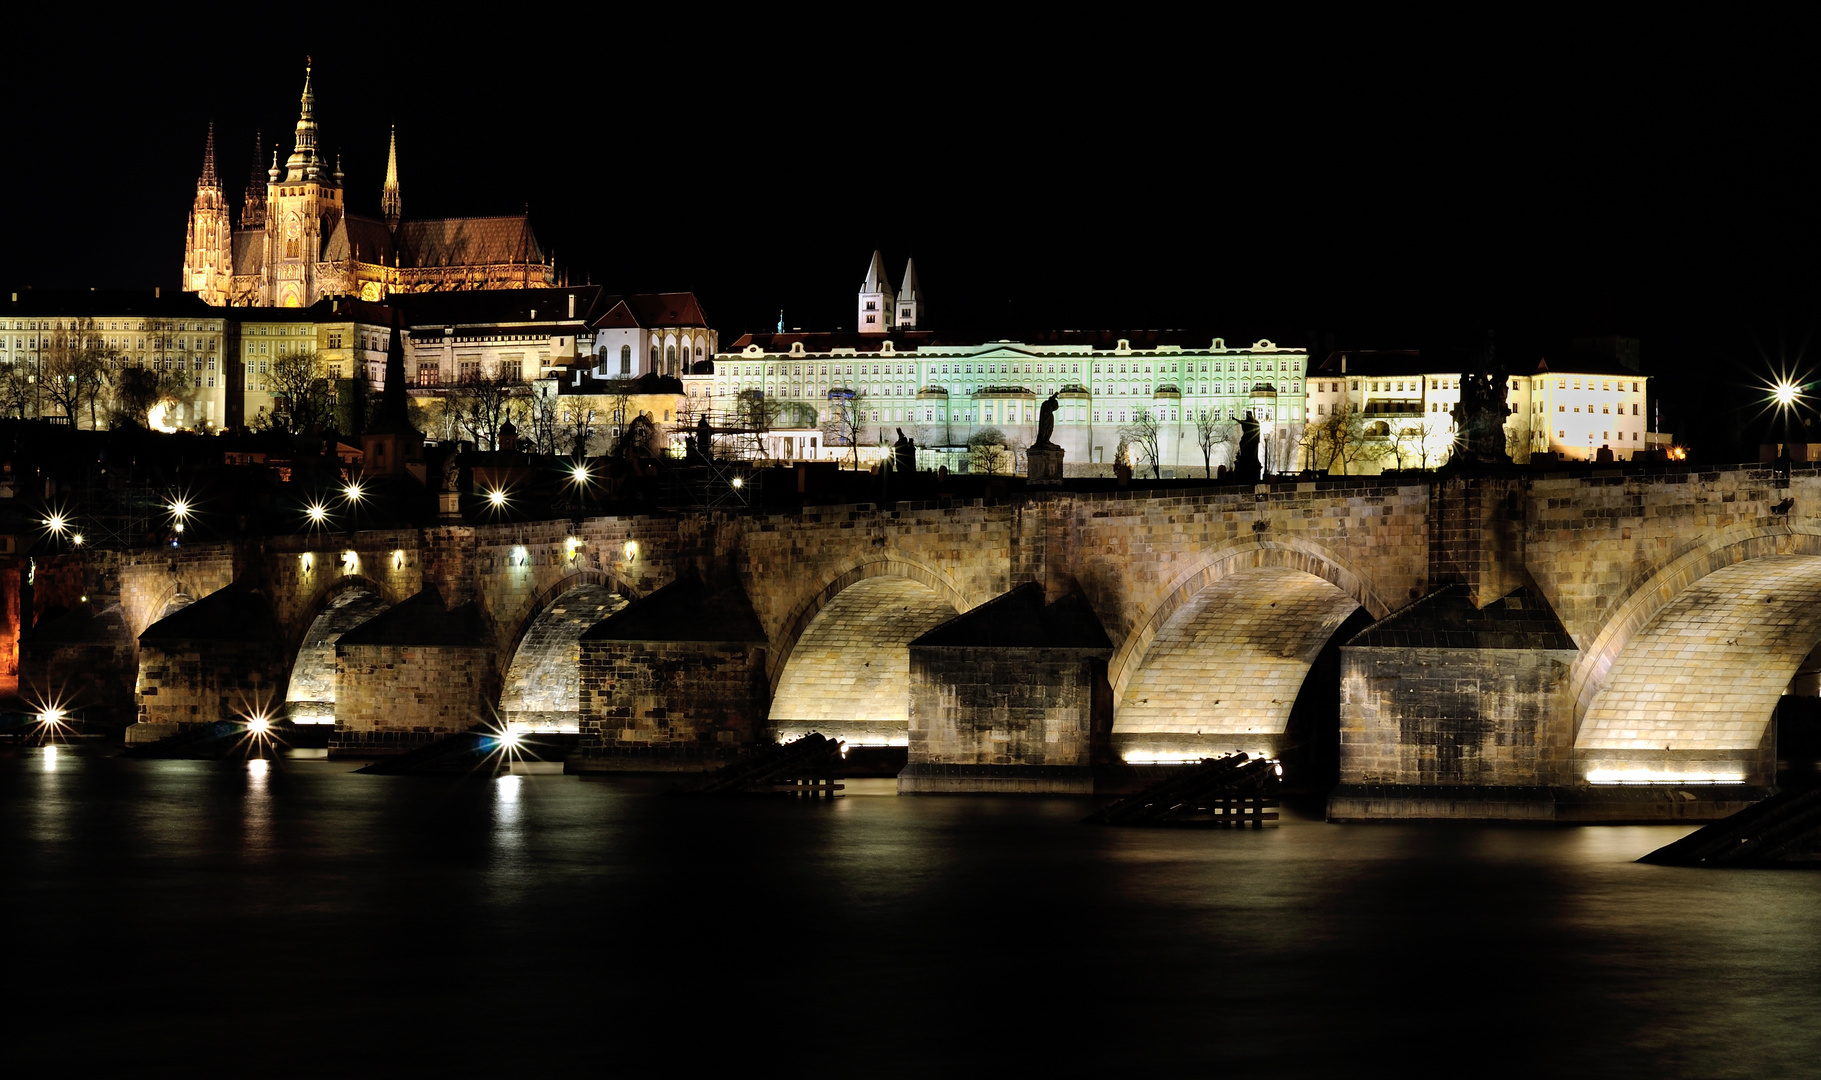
[{"x": 297, "y": 244}]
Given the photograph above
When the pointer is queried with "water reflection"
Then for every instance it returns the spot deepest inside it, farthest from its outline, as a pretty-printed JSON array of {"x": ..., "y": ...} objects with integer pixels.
[
  {"x": 256, "y": 813},
  {"x": 1303, "y": 950}
]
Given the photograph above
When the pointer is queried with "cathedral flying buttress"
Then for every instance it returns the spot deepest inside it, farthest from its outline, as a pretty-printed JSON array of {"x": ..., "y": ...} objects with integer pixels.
[{"x": 297, "y": 243}]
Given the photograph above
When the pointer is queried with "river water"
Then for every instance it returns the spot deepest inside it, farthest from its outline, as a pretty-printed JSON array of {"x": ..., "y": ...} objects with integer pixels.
[{"x": 290, "y": 918}]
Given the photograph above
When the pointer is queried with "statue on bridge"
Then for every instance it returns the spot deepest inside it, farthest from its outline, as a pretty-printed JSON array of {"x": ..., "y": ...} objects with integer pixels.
[
  {"x": 904, "y": 454},
  {"x": 1046, "y": 424},
  {"x": 1247, "y": 466},
  {"x": 1479, "y": 418}
]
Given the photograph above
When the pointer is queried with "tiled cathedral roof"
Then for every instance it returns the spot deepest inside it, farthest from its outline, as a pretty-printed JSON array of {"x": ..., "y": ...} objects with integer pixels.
[
  {"x": 475, "y": 241},
  {"x": 363, "y": 239}
]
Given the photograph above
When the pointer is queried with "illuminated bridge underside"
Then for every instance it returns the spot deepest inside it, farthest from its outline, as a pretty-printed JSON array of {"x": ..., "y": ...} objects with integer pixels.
[
  {"x": 849, "y": 675},
  {"x": 543, "y": 686},
  {"x": 1703, "y": 677},
  {"x": 1224, "y": 672},
  {"x": 311, "y": 696}
]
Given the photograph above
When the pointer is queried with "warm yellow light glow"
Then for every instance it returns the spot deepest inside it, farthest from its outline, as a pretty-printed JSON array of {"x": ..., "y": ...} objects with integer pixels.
[
  {"x": 519, "y": 556},
  {"x": 1161, "y": 757},
  {"x": 632, "y": 550},
  {"x": 738, "y": 483},
  {"x": 155, "y": 418},
  {"x": 258, "y": 766},
  {"x": 398, "y": 559},
  {"x": 572, "y": 547},
  {"x": 1786, "y": 393},
  {"x": 76, "y": 539},
  {"x": 349, "y": 561},
  {"x": 180, "y": 509},
  {"x": 1648, "y": 776},
  {"x": 177, "y": 527},
  {"x": 307, "y": 560},
  {"x": 55, "y": 523},
  {"x": 259, "y": 725},
  {"x": 50, "y": 714},
  {"x": 496, "y": 497},
  {"x": 579, "y": 474},
  {"x": 318, "y": 513},
  {"x": 351, "y": 492}
]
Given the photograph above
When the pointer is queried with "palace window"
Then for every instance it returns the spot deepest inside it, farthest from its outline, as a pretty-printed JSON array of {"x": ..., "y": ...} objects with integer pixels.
[{"x": 625, "y": 359}]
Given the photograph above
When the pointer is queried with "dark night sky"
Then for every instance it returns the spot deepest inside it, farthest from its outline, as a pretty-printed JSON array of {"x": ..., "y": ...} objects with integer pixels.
[{"x": 1364, "y": 181}]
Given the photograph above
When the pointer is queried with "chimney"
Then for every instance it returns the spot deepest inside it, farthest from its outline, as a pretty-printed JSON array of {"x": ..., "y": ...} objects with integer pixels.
[
  {"x": 572, "y": 305},
  {"x": 157, "y": 291}
]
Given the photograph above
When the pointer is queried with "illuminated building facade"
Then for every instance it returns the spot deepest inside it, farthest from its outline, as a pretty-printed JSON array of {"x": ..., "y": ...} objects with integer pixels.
[
  {"x": 45, "y": 336},
  {"x": 1574, "y": 408},
  {"x": 941, "y": 388},
  {"x": 297, "y": 243}
]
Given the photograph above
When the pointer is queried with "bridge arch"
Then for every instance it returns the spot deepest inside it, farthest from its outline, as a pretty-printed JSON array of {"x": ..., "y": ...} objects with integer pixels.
[
  {"x": 540, "y": 687},
  {"x": 336, "y": 609},
  {"x": 843, "y": 665},
  {"x": 1689, "y": 667},
  {"x": 1224, "y": 561}
]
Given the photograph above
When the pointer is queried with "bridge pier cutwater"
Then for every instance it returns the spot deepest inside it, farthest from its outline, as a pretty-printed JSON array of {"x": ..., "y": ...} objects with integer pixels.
[{"x": 1593, "y": 644}]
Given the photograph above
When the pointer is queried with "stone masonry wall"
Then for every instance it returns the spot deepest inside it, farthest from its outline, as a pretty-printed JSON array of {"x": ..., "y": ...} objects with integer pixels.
[
  {"x": 393, "y": 697},
  {"x": 1007, "y": 707},
  {"x": 1485, "y": 717},
  {"x": 670, "y": 694},
  {"x": 205, "y": 681}
]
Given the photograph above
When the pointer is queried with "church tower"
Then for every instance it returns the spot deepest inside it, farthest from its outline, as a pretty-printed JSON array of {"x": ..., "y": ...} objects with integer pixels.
[
  {"x": 388, "y": 199},
  {"x": 208, "y": 253},
  {"x": 875, "y": 300},
  {"x": 253, "y": 203},
  {"x": 910, "y": 299},
  {"x": 302, "y": 206}
]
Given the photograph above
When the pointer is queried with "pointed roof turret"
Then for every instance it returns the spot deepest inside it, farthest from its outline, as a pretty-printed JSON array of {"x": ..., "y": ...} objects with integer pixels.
[
  {"x": 302, "y": 164},
  {"x": 253, "y": 204},
  {"x": 208, "y": 178},
  {"x": 389, "y": 198},
  {"x": 394, "y": 416},
  {"x": 875, "y": 275},
  {"x": 912, "y": 289}
]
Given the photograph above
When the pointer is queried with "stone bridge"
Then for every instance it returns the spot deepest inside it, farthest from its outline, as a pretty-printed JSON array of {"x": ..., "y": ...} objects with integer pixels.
[{"x": 1526, "y": 645}]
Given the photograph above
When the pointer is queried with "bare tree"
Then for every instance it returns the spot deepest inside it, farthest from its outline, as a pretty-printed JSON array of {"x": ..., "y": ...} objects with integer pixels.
[
  {"x": 71, "y": 368},
  {"x": 300, "y": 381},
  {"x": 1142, "y": 434},
  {"x": 484, "y": 404},
  {"x": 575, "y": 427},
  {"x": 18, "y": 390},
  {"x": 755, "y": 414},
  {"x": 987, "y": 453},
  {"x": 1211, "y": 434},
  {"x": 843, "y": 425},
  {"x": 544, "y": 416}
]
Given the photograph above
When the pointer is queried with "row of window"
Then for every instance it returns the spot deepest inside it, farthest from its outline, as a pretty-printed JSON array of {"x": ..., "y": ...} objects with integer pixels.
[
  {"x": 47, "y": 324},
  {"x": 1398, "y": 386}
]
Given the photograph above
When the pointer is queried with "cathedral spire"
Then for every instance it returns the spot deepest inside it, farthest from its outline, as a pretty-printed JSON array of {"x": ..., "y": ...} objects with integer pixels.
[
  {"x": 253, "y": 204},
  {"x": 302, "y": 164},
  {"x": 389, "y": 201},
  {"x": 209, "y": 179}
]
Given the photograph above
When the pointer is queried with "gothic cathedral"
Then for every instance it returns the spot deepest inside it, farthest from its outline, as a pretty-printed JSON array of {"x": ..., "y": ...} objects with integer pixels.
[{"x": 297, "y": 244}]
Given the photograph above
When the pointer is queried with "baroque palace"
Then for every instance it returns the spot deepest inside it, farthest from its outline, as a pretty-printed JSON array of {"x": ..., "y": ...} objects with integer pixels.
[{"x": 297, "y": 243}]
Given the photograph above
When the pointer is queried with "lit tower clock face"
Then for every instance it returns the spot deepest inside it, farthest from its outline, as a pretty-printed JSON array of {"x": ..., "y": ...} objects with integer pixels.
[{"x": 291, "y": 229}]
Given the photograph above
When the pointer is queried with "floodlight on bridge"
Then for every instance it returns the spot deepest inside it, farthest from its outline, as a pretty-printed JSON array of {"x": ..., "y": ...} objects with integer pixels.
[
  {"x": 352, "y": 492},
  {"x": 317, "y": 513},
  {"x": 1787, "y": 393}
]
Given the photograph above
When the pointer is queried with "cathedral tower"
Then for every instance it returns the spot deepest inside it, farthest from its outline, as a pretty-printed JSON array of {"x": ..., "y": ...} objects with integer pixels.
[
  {"x": 910, "y": 298},
  {"x": 253, "y": 203},
  {"x": 388, "y": 199},
  {"x": 208, "y": 252},
  {"x": 302, "y": 207},
  {"x": 875, "y": 300}
]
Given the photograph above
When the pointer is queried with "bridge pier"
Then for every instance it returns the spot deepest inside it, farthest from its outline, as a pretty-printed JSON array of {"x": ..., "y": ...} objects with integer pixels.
[
  {"x": 673, "y": 681},
  {"x": 1010, "y": 697},
  {"x": 220, "y": 658},
  {"x": 415, "y": 673}
]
